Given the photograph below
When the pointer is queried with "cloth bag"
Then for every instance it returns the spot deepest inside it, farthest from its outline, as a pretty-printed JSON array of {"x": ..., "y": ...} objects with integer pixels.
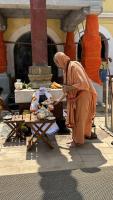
[{"x": 103, "y": 73}]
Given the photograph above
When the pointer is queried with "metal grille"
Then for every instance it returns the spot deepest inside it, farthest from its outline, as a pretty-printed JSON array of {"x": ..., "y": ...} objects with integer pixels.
[{"x": 84, "y": 184}]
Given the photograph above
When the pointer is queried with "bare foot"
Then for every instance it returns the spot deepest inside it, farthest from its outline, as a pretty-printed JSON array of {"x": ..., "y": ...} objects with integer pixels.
[
  {"x": 93, "y": 136},
  {"x": 73, "y": 144},
  {"x": 69, "y": 142}
]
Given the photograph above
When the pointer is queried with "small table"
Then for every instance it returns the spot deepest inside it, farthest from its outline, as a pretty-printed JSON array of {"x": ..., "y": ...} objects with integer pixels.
[
  {"x": 36, "y": 125},
  {"x": 15, "y": 125}
]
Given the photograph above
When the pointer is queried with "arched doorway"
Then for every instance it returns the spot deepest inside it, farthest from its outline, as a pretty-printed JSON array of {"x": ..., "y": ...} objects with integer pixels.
[
  {"x": 23, "y": 57},
  {"x": 51, "y": 51},
  {"x": 104, "y": 49}
]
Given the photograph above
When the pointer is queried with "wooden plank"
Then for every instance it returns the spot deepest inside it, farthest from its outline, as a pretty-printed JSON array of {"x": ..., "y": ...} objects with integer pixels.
[
  {"x": 34, "y": 118},
  {"x": 26, "y": 117},
  {"x": 16, "y": 118}
]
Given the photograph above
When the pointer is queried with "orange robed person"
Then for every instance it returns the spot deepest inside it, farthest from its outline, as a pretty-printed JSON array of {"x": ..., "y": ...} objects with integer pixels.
[{"x": 81, "y": 98}]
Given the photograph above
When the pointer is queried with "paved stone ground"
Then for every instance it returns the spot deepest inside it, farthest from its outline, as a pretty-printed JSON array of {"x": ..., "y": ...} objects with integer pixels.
[{"x": 14, "y": 158}]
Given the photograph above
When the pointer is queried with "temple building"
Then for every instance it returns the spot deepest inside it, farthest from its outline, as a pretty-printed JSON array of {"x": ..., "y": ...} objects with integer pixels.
[{"x": 31, "y": 32}]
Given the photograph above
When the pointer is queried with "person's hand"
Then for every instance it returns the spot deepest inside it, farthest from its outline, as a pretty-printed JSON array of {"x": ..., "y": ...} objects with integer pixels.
[
  {"x": 59, "y": 99},
  {"x": 51, "y": 107},
  {"x": 55, "y": 102},
  {"x": 67, "y": 88}
]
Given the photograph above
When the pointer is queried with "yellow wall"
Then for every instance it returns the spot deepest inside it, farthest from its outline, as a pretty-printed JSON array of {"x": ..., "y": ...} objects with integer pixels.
[
  {"x": 15, "y": 24},
  {"x": 107, "y": 23},
  {"x": 108, "y": 6},
  {"x": 55, "y": 25}
]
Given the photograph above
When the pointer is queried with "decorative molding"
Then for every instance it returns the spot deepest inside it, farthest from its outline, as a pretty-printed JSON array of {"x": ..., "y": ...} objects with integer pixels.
[
  {"x": 74, "y": 18},
  {"x": 70, "y": 22},
  {"x": 53, "y": 4},
  {"x": 106, "y": 15}
]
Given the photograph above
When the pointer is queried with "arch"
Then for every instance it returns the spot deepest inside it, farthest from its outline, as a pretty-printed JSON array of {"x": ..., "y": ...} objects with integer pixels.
[
  {"x": 16, "y": 35},
  {"x": 104, "y": 50}
]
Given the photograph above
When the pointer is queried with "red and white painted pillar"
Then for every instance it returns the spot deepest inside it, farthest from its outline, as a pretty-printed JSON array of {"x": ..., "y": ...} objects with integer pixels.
[
  {"x": 91, "y": 48},
  {"x": 70, "y": 46}
]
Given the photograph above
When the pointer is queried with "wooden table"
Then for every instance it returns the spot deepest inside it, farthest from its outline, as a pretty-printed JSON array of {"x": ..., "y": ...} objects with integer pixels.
[
  {"x": 39, "y": 131},
  {"x": 36, "y": 125},
  {"x": 15, "y": 125}
]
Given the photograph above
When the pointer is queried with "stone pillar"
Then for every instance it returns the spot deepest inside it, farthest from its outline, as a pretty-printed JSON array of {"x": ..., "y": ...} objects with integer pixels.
[
  {"x": 91, "y": 48},
  {"x": 70, "y": 46},
  {"x": 40, "y": 72}
]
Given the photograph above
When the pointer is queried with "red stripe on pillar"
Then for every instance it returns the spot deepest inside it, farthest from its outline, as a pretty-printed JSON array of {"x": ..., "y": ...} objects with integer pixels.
[{"x": 70, "y": 47}]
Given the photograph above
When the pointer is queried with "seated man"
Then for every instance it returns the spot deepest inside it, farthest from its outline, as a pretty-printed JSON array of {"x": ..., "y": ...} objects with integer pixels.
[
  {"x": 41, "y": 95},
  {"x": 38, "y": 97}
]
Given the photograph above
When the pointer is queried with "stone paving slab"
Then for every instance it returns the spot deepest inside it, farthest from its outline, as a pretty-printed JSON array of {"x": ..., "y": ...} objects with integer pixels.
[{"x": 14, "y": 158}]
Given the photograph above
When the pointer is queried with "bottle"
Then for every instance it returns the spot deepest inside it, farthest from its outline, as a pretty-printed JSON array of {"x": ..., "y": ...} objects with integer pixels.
[{"x": 18, "y": 84}]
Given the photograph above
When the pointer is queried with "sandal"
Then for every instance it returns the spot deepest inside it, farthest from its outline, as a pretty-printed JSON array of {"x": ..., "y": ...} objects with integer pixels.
[
  {"x": 69, "y": 142},
  {"x": 93, "y": 136},
  {"x": 73, "y": 144}
]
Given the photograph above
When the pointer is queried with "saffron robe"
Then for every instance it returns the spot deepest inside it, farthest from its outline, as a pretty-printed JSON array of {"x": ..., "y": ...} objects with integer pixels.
[{"x": 81, "y": 101}]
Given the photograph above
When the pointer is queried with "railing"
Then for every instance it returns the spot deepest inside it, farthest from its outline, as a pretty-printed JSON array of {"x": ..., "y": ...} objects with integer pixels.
[{"x": 109, "y": 103}]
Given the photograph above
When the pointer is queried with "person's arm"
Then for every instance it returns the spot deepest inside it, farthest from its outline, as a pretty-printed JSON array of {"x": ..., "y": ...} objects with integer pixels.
[
  {"x": 67, "y": 88},
  {"x": 81, "y": 79},
  {"x": 60, "y": 99}
]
